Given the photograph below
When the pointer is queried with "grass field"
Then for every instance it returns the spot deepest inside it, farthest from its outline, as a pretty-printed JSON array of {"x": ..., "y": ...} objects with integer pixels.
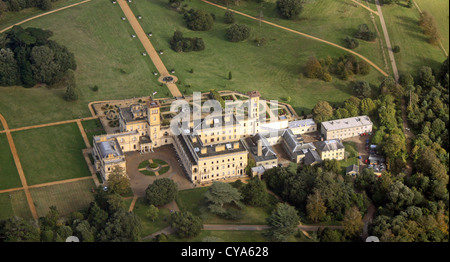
[
  {"x": 404, "y": 31},
  {"x": 67, "y": 197},
  {"x": 148, "y": 226},
  {"x": 273, "y": 69},
  {"x": 192, "y": 200},
  {"x": 51, "y": 153},
  {"x": 10, "y": 18},
  {"x": 106, "y": 56},
  {"x": 440, "y": 11},
  {"x": 14, "y": 206},
  {"x": 93, "y": 128},
  {"x": 9, "y": 178}
]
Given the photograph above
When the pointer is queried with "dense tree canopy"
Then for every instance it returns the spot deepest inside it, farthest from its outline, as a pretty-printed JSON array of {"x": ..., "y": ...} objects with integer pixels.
[
  {"x": 198, "y": 20},
  {"x": 27, "y": 57},
  {"x": 161, "y": 192},
  {"x": 290, "y": 9}
]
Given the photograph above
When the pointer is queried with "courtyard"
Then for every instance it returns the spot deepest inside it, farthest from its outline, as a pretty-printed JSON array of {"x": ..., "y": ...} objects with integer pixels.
[{"x": 140, "y": 182}]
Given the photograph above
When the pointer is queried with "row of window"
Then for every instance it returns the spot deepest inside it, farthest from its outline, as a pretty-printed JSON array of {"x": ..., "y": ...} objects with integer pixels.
[{"x": 223, "y": 161}]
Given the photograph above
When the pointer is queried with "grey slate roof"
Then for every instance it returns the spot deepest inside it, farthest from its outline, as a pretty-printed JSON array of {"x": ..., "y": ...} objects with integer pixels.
[
  {"x": 329, "y": 145},
  {"x": 346, "y": 123},
  {"x": 311, "y": 157},
  {"x": 354, "y": 168},
  {"x": 109, "y": 147}
]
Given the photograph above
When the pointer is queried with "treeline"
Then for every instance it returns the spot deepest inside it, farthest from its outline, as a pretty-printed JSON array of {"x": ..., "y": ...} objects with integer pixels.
[
  {"x": 318, "y": 192},
  {"x": 105, "y": 220},
  {"x": 410, "y": 207},
  {"x": 17, "y": 5},
  {"x": 28, "y": 57},
  {"x": 344, "y": 67}
]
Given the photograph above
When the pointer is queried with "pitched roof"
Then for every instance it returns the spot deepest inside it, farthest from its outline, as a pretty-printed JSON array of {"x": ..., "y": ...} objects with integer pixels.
[
  {"x": 346, "y": 123},
  {"x": 354, "y": 168},
  {"x": 329, "y": 145},
  {"x": 311, "y": 157}
]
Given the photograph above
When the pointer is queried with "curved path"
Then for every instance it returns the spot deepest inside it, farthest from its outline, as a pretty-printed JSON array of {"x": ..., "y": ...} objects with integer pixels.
[
  {"x": 303, "y": 34},
  {"x": 47, "y": 13}
]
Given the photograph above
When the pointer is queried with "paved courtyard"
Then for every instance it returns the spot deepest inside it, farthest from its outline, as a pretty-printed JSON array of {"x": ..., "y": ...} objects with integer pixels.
[{"x": 140, "y": 182}]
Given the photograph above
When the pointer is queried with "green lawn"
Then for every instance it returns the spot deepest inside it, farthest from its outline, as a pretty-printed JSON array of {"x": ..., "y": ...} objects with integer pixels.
[
  {"x": 67, "y": 197},
  {"x": 148, "y": 226},
  {"x": 51, "y": 153},
  {"x": 15, "y": 206},
  {"x": 273, "y": 69},
  {"x": 404, "y": 31},
  {"x": 93, "y": 128},
  {"x": 192, "y": 200},
  {"x": 106, "y": 56},
  {"x": 10, "y": 18},
  {"x": 440, "y": 11},
  {"x": 9, "y": 177}
]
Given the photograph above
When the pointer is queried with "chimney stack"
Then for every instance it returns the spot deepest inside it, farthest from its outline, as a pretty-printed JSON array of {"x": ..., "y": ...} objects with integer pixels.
[{"x": 260, "y": 147}]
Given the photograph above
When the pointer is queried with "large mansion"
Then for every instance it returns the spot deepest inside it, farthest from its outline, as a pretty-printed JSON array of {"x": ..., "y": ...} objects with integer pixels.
[{"x": 213, "y": 146}]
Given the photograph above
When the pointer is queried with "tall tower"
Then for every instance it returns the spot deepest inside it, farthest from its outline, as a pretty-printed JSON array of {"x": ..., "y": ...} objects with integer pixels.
[
  {"x": 154, "y": 122},
  {"x": 253, "y": 112}
]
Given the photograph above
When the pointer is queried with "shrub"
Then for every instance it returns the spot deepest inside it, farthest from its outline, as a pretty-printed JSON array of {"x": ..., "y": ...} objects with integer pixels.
[
  {"x": 237, "y": 33},
  {"x": 352, "y": 43},
  {"x": 396, "y": 49},
  {"x": 290, "y": 9},
  {"x": 198, "y": 20},
  {"x": 185, "y": 44},
  {"x": 365, "y": 34},
  {"x": 229, "y": 17}
]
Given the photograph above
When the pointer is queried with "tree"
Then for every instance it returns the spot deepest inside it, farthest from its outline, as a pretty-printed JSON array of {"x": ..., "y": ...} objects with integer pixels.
[
  {"x": 290, "y": 9},
  {"x": 220, "y": 196},
  {"x": 367, "y": 107},
  {"x": 96, "y": 216},
  {"x": 43, "y": 65},
  {"x": 364, "y": 33},
  {"x": 254, "y": 193},
  {"x": 118, "y": 181},
  {"x": 238, "y": 33},
  {"x": 362, "y": 89},
  {"x": 152, "y": 213},
  {"x": 84, "y": 231},
  {"x": 351, "y": 43},
  {"x": 71, "y": 93},
  {"x": 122, "y": 226},
  {"x": 352, "y": 223},
  {"x": 16, "y": 229},
  {"x": 315, "y": 207},
  {"x": 426, "y": 77},
  {"x": 229, "y": 17},
  {"x": 45, "y": 5},
  {"x": 330, "y": 235},
  {"x": 322, "y": 111},
  {"x": 49, "y": 222},
  {"x": 9, "y": 69},
  {"x": 399, "y": 196},
  {"x": 313, "y": 68},
  {"x": 161, "y": 192},
  {"x": 198, "y": 20},
  {"x": 282, "y": 222},
  {"x": 186, "y": 224}
]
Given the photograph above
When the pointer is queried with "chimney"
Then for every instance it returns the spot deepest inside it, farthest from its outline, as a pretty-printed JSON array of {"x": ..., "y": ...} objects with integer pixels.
[
  {"x": 236, "y": 145},
  {"x": 260, "y": 147},
  {"x": 203, "y": 150}
]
